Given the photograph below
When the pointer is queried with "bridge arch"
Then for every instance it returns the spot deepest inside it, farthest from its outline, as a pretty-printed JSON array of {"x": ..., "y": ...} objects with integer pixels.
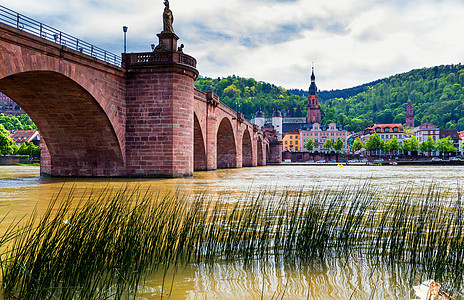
[
  {"x": 226, "y": 146},
  {"x": 247, "y": 149},
  {"x": 199, "y": 149},
  {"x": 79, "y": 136}
]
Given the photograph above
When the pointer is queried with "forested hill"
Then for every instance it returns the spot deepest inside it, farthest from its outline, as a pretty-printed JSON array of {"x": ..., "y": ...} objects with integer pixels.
[
  {"x": 345, "y": 93},
  {"x": 437, "y": 94},
  {"x": 247, "y": 95}
]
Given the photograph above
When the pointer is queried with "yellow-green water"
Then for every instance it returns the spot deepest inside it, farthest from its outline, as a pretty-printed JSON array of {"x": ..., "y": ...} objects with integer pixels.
[{"x": 21, "y": 189}]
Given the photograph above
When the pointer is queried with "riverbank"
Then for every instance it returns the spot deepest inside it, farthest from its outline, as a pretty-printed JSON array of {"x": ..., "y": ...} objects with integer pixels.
[
  {"x": 9, "y": 160},
  {"x": 372, "y": 163}
]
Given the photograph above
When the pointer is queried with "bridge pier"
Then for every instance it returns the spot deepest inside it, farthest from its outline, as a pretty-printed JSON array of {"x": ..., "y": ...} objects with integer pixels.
[{"x": 159, "y": 103}]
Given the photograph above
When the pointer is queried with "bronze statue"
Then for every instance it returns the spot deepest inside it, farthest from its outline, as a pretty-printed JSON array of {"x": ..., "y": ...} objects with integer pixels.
[{"x": 168, "y": 19}]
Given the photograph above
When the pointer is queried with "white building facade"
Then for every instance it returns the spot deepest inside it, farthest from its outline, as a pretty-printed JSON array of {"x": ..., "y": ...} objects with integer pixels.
[
  {"x": 386, "y": 132},
  {"x": 320, "y": 135}
]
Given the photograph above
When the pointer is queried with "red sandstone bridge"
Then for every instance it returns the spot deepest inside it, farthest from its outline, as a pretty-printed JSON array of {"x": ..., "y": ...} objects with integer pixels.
[{"x": 100, "y": 115}]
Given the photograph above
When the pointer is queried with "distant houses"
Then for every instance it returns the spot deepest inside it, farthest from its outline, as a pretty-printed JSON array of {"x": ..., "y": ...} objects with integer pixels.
[
  {"x": 25, "y": 136},
  {"x": 9, "y": 107}
]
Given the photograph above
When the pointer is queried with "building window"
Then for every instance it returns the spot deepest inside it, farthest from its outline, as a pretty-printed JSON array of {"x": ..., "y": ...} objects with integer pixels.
[
  {"x": 291, "y": 142},
  {"x": 387, "y": 129},
  {"x": 285, "y": 142},
  {"x": 395, "y": 129},
  {"x": 377, "y": 130},
  {"x": 296, "y": 142},
  {"x": 291, "y": 137}
]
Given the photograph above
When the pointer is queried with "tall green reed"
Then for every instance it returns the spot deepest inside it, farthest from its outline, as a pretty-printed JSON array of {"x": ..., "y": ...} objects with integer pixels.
[{"x": 104, "y": 245}]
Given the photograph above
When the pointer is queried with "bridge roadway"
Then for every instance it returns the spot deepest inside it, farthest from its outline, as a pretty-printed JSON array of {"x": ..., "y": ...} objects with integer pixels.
[{"x": 142, "y": 119}]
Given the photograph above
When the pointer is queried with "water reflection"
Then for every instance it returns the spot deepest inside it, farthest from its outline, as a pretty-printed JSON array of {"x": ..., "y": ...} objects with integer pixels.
[{"x": 335, "y": 279}]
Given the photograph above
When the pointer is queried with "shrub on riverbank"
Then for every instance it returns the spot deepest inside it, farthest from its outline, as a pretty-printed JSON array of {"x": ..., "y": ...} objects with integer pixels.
[{"x": 106, "y": 244}]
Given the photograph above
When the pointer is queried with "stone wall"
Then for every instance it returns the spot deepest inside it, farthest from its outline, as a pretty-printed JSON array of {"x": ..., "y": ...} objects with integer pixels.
[{"x": 159, "y": 126}]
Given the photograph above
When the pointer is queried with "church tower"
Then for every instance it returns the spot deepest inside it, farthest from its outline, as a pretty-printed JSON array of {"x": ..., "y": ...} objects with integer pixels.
[
  {"x": 313, "y": 110},
  {"x": 409, "y": 115}
]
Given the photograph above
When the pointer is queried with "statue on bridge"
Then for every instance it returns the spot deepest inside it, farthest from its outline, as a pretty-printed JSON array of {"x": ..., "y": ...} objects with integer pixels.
[
  {"x": 167, "y": 37},
  {"x": 168, "y": 19}
]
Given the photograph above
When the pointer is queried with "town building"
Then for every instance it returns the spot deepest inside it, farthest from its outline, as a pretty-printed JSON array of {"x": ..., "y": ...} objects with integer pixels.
[
  {"x": 313, "y": 114},
  {"x": 25, "y": 136},
  {"x": 409, "y": 115},
  {"x": 275, "y": 121},
  {"x": 275, "y": 143},
  {"x": 461, "y": 143},
  {"x": 321, "y": 133},
  {"x": 9, "y": 107},
  {"x": 422, "y": 132},
  {"x": 386, "y": 132},
  {"x": 291, "y": 141}
]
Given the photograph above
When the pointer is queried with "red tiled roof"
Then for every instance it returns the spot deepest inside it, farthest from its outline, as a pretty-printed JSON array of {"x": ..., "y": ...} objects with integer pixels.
[
  {"x": 373, "y": 127},
  {"x": 23, "y": 136}
]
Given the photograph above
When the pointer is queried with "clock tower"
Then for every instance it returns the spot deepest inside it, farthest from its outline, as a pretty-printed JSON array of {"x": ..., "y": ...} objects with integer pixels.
[{"x": 313, "y": 110}]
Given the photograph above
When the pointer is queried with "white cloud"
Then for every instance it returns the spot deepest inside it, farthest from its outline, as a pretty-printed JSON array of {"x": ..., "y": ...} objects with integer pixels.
[{"x": 351, "y": 41}]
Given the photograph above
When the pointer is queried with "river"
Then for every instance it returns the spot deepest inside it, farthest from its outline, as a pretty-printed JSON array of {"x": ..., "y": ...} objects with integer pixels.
[{"x": 22, "y": 189}]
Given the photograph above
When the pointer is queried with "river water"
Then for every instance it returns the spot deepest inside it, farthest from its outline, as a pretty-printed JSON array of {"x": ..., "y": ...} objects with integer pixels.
[{"x": 22, "y": 189}]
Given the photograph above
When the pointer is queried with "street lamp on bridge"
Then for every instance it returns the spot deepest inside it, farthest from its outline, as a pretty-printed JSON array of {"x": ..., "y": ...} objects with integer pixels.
[{"x": 124, "y": 29}]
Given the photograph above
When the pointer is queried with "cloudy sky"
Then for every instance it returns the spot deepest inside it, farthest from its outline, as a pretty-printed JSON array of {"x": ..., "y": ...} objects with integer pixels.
[{"x": 350, "y": 41}]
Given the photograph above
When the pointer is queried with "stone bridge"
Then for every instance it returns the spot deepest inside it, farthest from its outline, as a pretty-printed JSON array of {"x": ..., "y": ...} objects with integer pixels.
[{"x": 143, "y": 118}]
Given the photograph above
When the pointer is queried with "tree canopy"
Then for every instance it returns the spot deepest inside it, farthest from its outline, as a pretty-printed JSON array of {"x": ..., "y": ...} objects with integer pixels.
[
  {"x": 309, "y": 144},
  {"x": 21, "y": 122},
  {"x": 7, "y": 146}
]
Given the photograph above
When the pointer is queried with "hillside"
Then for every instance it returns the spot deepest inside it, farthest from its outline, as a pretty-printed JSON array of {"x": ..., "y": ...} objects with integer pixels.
[
  {"x": 437, "y": 94},
  {"x": 247, "y": 95}
]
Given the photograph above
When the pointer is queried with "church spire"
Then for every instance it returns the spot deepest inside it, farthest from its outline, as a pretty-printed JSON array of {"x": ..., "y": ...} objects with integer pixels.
[
  {"x": 313, "y": 87},
  {"x": 313, "y": 110}
]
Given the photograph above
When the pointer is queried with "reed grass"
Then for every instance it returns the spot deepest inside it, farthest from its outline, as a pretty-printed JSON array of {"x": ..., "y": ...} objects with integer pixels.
[{"x": 105, "y": 244}]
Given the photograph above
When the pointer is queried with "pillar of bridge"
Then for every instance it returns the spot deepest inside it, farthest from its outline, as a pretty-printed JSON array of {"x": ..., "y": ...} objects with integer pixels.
[{"x": 159, "y": 99}]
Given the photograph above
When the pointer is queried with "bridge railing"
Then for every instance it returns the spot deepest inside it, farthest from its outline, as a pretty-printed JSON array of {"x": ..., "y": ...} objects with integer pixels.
[
  {"x": 154, "y": 58},
  {"x": 26, "y": 24}
]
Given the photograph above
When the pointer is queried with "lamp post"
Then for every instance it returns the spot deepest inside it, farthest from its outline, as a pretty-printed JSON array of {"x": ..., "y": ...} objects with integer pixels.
[{"x": 124, "y": 29}]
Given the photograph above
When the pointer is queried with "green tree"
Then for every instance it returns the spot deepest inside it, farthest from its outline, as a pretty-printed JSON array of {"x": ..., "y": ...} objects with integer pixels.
[
  {"x": 358, "y": 144},
  {"x": 393, "y": 145},
  {"x": 414, "y": 143},
  {"x": 445, "y": 145},
  {"x": 374, "y": 143},
  {"x": 232, "y": 91},
  {"x": 338, "y": 146},
  {"x": 411, "y": 144},
  {"x": 328, "y": 144},
  {"x": 7, "y": 146},
  {"x": 23, "y": 150},
  {"x": 309, "y": 144},
  {"x": 35, "y": 151},
  {"x": 428, "y": 145}
]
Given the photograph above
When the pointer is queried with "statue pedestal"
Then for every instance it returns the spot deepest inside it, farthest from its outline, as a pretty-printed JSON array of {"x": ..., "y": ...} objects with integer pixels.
[{"x": 167, "y": 42}]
